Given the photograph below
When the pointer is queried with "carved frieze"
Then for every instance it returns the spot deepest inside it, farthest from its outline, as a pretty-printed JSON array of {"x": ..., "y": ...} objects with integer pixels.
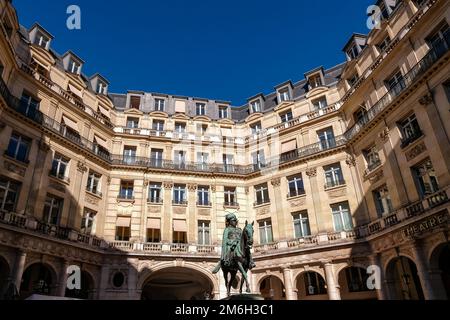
[
  {"x": 336, "y": 193},
  {"x": 263, "y": 211},
  {"x": 154, "y": 209},
  {"x": 416, "y": 151},
  {"x": 311, "y": 172},
  {"x": 12, "y": 167},
  {"x": 81, "y": 167},
  {"x": 91, "y": 199},
  {"x": 179, "y": 210},
  {"x": 276, "y": 182},
  {"x": 204, "y": 212},
  {"x": 298, "y": 202}
]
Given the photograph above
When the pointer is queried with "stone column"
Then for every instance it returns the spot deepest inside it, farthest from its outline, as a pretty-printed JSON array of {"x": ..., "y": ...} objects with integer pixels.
[
  {"x": 62, "y": 284},
  {"x": 332, "y": 286},
  {"x": 312, "y": 174},
  {"x": 74, "y": 219},
  {"x": 103, "y": 281},
  {"x": 288, "y": 286},
  {"x": 166, "y": 223},
  {"x": 19, "y": 266},
  {"x": 423, "y": 272},
  {"x": 276, "y": 183},
  {"x": 375, "y": 260},
  {"x": 192, "y": 208}
]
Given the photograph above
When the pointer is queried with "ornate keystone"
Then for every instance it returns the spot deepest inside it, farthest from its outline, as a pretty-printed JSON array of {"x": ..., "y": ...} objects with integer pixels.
[{"x": 311, "y": 172}]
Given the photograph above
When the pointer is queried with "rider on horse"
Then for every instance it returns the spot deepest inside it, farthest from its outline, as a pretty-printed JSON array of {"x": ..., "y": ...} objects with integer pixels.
[{"x": 231, "y": 248}]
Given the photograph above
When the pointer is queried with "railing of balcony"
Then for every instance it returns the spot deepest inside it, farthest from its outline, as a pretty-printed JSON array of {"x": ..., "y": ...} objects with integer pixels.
[{"x": 439, "y": 49}]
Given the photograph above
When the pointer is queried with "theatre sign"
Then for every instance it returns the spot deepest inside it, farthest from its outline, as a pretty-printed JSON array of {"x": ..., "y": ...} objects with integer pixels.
[{"x": 439, "y": 219}]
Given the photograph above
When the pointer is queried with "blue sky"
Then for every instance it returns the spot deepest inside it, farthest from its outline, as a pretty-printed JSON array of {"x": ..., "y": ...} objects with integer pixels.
[{"x": 224, "y": 50}]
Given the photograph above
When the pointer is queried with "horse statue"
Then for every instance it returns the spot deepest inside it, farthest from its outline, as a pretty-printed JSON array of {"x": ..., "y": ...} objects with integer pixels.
[{"x": 236, "y": 255}]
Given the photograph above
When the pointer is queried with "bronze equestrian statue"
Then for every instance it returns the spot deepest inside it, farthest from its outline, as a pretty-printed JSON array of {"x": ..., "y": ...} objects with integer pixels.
[{"x": 236, "y": 255}]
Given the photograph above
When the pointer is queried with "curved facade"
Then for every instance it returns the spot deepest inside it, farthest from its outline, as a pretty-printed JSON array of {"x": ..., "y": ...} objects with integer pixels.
[{"x": 343, "y": 170}]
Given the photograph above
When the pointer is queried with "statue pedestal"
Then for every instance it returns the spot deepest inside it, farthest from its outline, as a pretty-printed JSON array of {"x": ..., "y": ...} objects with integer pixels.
[{"x": 244, "y": 296}]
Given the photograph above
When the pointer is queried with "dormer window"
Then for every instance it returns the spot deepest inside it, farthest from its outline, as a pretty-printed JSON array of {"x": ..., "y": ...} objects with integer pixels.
[
  {"x": 355, "y": 46},
  {"x": 256, "y": 106},
  {"x": 101, "y": 88},
  {"x": 353, "y": 52},
  {"x": 135, "y": 102},
  {"x": 160, "y": 104},
  {"x": 200, "y": 109},
  {"x": 42, "y": 40},
  {"x": 284, "y": 95},
  {"x": 223, "y": 112},
  {"x": 315, "y": 81},
  {"x": 352, "y": 80},
  {"x": 74, "y": 67}
]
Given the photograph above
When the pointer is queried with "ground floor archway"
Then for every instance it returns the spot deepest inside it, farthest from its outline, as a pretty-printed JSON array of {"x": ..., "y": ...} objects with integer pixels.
[
  {"x": 272, "y": 288},
  {"x": 86, "y": 291},
  {"x": 177, "y": 283},
  {"x": 311, "y": 286},
  {"x": 353, "y": 284},
  {"x": 402, "y": 280},
  {"x": 440, "y": 264},
  {"x": 38, "y": 278}
]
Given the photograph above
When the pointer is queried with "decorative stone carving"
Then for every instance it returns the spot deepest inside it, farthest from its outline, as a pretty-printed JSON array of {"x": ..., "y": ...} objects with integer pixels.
[
  {"x": 192, "y": 187},
  {"x": 426, "y": 99},
  {"x": 417, "y": 150},
  {"x": 376, "y": 177},
  {"x": 247, "y": 190},
  {"x": 384, "y": 134},
  {"x": 204, "y": 212},
  {"x": 298, "y": 202},
  {"x": 167, "y": 185},
  {"x": 91, "y": 199},
  {"x": 337, "y": 193},
  {"x": 213, "y": 188},
  {"x": 263, "y": 211},
  {"x": 276, "y": 182},
  {"x": 154, "y": 209},
  {"x": 146, "y": 182},
  {"x": 311, "y": 172},
  {"x": 43, "y": 146},
  {"x": 14, "y": 168},
  {"x": 81, "y": 167},
  {"x": 350, "y": 161},
  {"x": 179, "y": 210}
]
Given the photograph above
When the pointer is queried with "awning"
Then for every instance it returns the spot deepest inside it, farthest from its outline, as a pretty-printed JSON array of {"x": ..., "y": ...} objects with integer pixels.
[
  {"x": 104, "y": 112},
  {"x": 102, "y": 143},
  {"x": 123, "y": 222},
  {"x": 288, "y": 146},
  {"x": 74, "y": 90},
  {"x": 154, "y": 223},
  {"x": 180, "y": 106},
  {"x": 179, "y": 226},
  {"x": 70, "y": 123}
]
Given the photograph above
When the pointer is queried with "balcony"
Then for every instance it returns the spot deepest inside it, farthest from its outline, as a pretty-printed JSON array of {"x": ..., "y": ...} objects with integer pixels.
[
  {"x": 60, "y": 176},
  {"x": 125, "y": 197},
  {"x": 334, "y": 184},
  {"x": 180, "y": 202},
  {"x": 155, "y": 200},
  {"x": 296, "y": 193},
  {"x": 435, "y": 53}
]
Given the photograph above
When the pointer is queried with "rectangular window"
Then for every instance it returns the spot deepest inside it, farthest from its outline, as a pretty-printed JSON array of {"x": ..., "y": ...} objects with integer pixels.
[
  {"x": 132, "y": 123},
  {"x": 262, "y": 194},
  {"x": 314, "y": 284},
  {"x": 326, "y": 138},
  {"x": 333, "y": 176},
  {"x": 383, "y": 44},
  {"x": 256, "y": 128},
  {"x": 255, "y": 106},
  {"x": 284, "y": 95},
  {"x": 155, "y": 192},
  {"x": 200, "y": 109},
  {"x": 179, "y": 237},
  {"x": 265, "y": 231},
  {"x": 203, "y": 196},
  {"x": 341, "y": 217},
  {"x": 202, "y": 128},
  {"x": 179, "y": 194},
  {"x": 87, "y": 222},
  {"x": 179, "y": 159},
  {"x": 74, "y": 67},
  {"x": 126, "y": 190},
  {"x": 180, "y": 127},
  {"x": 9, "y": 193},
  {"x": 59, "y": 167},
  {"x": 410, "y": 130},
  {"x": 156, "y": 158},
  {"x": 286, "y": 117},
  {"x": 320, "y": 103},
  {"x": 135, "y": 102},
  {"x": 93, "y": 183},
  {"x": 353, "y": 52},
  {"x": 204, "y": 228},
  {"x": 153, "y": 235},
  {"x": 19, "y": 147},
  {"x": 383, "y": 201},
  {"x": 158, "y": 125},
  {"x": 123, "y": 233},
  {"x": 202, "y": 160},
  {"x": 439, "y": 39},
  {"x": 228, "y": 162},
  {"x": 258, "y": 160},
  {"x": 352, "y": 80},
  {"x": 129, "y": 154},
  {"x": 395, "y": 83},
  {"x": 425, "y": 178},
  {"x": 301, "y": 225},
  {"x": 360, "y": 116},
  {"x": 52, "y": 210},
  {"x": 315, "y": 81},
  {"x": 223, "y": 112},
  {"x": 101, "y": 88},
  {"x": 230, "y": 196},
  {"x": 28, "y": 105},
  {"x": 41, "y": 40},
  {"x": 372, "y": 157},
  {"x": 160, "y": 105},
  {"x": 296, "y": 187}
]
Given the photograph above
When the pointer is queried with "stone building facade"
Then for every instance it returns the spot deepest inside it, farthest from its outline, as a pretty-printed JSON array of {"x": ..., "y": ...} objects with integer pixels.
[{"x": 346, "y": 169}]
